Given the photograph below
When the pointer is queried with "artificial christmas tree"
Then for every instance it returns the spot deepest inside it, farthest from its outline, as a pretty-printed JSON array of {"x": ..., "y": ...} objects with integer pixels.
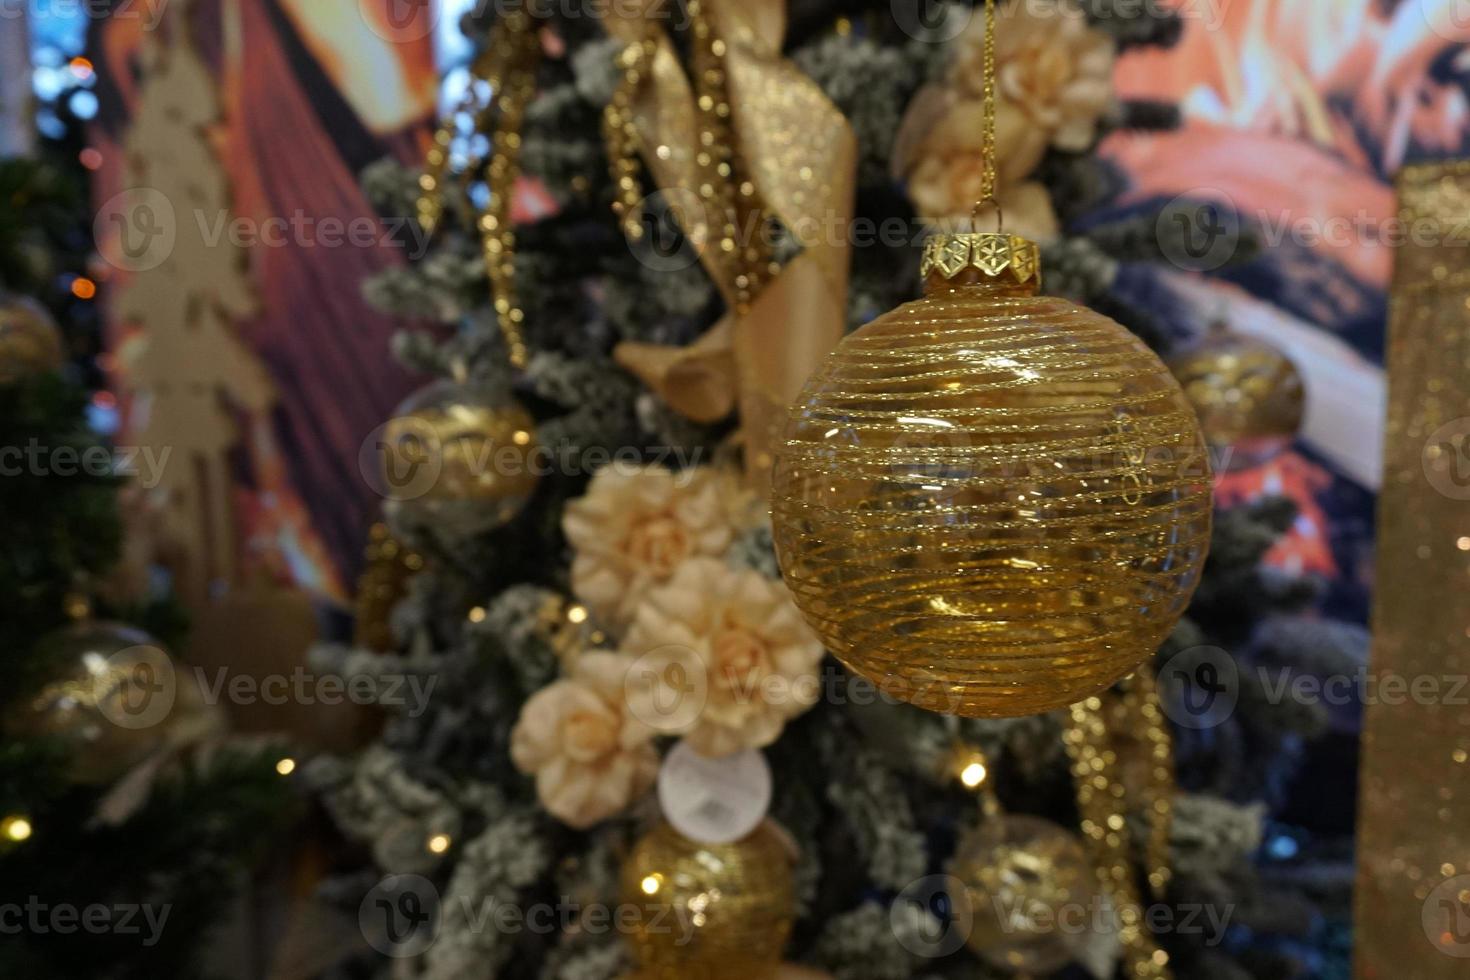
[{"x": 646, "y": 308}]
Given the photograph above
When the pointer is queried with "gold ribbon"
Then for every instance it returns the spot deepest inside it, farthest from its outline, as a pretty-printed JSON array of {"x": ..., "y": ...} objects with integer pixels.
[
  {"x": 1413, "y": 889},
  {"x": 800, "y": 154}
]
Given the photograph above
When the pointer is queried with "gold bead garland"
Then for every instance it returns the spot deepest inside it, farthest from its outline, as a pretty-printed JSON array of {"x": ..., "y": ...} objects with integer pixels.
[
  {"x": 620, "y": 132},
  {"x": 383, "y": 582},
  {"x": 1140, "y": 715},
  {"x": 508, "y": 69},
  {"x": 1102, "y": 804},
  {"x": 737, "y": 243}
]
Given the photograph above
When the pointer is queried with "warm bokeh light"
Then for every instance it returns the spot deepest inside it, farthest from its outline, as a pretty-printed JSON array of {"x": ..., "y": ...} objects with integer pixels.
[
  {"x": 16, "y": 829},
  {"x": 286, "y": 767}
]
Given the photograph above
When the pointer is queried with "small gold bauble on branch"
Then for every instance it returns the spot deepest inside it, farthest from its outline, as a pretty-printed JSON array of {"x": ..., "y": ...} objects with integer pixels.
[
  {"x": 30, "y": 342},
  {"x": 1027, "y": 880},
  {"x": 110, "y": 698},
  {"x": 712, "y": 911},
  {"x": 459, "y": 453},
  {"x": 1248, "y": 394},
  {"x": 990, "y": 502}
]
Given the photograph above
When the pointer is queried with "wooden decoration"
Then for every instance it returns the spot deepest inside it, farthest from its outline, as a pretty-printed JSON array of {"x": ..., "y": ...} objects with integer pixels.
[{"x": 185, "y": 371}]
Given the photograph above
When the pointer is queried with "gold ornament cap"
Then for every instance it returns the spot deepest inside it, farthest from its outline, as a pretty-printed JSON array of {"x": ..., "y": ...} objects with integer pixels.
[{"x": 970, "y": 258}]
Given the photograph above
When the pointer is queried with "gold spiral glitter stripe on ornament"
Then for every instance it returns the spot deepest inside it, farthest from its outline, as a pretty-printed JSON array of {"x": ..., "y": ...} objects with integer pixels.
[{"x": 992, "y": 505}]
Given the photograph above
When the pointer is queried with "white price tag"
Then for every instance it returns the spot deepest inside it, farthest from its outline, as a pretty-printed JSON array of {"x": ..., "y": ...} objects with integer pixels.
[{"x": 714, "y": 801}]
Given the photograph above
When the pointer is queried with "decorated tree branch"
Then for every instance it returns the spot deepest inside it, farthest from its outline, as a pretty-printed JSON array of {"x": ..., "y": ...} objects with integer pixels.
[{"x": 693, "y": 631}]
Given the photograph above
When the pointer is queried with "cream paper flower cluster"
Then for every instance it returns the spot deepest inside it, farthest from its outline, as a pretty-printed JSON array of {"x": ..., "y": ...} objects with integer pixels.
[
  {"x": 713, "y": 652},
  {"x": 1054, "y": 81}
]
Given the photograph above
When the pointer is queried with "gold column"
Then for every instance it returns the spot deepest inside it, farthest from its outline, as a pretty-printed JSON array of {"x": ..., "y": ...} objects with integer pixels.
[{"x": 1413, "y": 894}]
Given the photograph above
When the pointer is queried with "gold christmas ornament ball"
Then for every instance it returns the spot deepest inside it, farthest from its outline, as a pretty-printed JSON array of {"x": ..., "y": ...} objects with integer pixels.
[
  {"x": 1248, "y": 394},
  {"x": 1030, "y": 889},
  {"x": 459, "y": 453},
  {"x": 30, "y": 342},
  {"x": 713, "y": 911},
  {"x": 989, "y": 502},
  {"x": 111, "y": 698}
]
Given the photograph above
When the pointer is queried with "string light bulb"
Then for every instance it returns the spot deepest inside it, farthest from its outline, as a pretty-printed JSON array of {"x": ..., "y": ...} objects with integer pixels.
[
  {"x": 973, "y": 774},
  {"x": 16, "y": 829}
]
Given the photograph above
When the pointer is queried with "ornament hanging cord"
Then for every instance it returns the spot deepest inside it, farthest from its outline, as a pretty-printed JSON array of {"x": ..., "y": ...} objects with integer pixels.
[{"x": 987, "y": 133}]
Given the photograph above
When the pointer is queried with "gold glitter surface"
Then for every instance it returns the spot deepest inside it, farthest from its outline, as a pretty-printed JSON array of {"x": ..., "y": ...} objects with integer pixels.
[
  {"x": 459, "y": 451},
  {"x": 1413, "y": 893},
  {"x": 1023, "y": 876},
  {"x": 29, "y": 340},
  {"x": 102, "y": 672},
  {"x": 991, "y": 503},
  {"x": 709, "y": 911},
  {"x": 1102, "y": 803},
  {"x": 1248, "y": 394}
]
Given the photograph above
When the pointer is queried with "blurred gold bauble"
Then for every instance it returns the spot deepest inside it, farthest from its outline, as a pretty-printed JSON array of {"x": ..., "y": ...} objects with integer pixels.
[
  {"x": 1249, "y": 396},
  {"x": 111, "y": 698},
  {"x": 460, "y": 454},
  {"x": 711, "y": 911},
  {"x": 989, "y": 502},
  {"x": 1030, "y": 889},
  {"x": 783, "y": 971},
  {"x": 30, "y": 343}
]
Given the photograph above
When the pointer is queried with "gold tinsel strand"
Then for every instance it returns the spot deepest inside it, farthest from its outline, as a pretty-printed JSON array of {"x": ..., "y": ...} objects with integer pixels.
[
  {"x": 1101, "y": 800},
  {"x": 508, "y": 69},
  {"x": 1143, "y": 718},
  {"x": 382, "y": 584},
  {"x": 730, "y": 224}
]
